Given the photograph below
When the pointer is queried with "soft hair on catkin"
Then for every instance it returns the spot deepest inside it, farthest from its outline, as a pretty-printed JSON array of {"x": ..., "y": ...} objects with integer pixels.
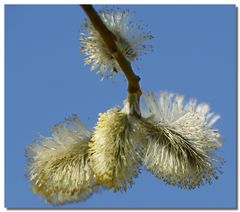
[
  {"x": 115, "y": 154},
  {"x": 59, "y": 167},
  {"x": 130, "y": 39},
  {"x": 181, "y": 140}
]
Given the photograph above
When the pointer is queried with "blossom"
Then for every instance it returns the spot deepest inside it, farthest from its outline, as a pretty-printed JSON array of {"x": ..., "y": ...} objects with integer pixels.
[
  {"x": 115, "y": 152},
  {"x": 130, "y": 38},
  {"x": 181, "y": 140},
  {"x": 59, "y": 167}
]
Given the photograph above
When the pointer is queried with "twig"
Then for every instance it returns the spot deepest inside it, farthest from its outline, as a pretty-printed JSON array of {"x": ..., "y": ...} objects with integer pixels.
[{"x": 109, "y": 38}]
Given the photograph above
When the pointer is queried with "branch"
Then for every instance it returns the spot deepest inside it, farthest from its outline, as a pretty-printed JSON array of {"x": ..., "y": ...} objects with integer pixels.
[{"x": 109, "y": 39}]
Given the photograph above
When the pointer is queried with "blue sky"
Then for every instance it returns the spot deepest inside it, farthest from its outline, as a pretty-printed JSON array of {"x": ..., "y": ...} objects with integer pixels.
[{"x": 46, "y": 80}]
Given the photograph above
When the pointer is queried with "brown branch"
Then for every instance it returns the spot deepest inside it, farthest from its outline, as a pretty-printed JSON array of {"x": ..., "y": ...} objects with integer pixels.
[{"x": 109, "y": 38}]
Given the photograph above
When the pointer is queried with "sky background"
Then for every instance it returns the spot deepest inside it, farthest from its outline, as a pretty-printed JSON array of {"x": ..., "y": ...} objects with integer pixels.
[{"x": 46, "y": 80}]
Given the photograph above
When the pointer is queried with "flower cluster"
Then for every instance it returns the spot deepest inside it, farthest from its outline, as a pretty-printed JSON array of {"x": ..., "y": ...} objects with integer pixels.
[
  {"x": 130, "y": 41},
  {"x": 59, "y": 166},
  {"x": 173, "y": 139},
  {"x": 175, "y": 142},
  {"x": 181, "y": 140},
  {"x": 115, "y": 151}
]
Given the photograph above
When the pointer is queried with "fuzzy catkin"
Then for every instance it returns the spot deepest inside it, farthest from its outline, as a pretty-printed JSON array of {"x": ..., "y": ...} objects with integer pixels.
[
  {"x": 59, "y": 167},
  {"x": 115, "y": 154},
  {"x": 130, "y": 39},
  {"x": 181, "y": 140}
]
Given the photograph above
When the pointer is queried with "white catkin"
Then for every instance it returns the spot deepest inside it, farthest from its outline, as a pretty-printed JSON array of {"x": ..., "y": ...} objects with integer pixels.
[
  {"x": 181, "y": 140},
  {"x": 59, "y": 167},
  {"x": 116, "y": 154},
  {"x": 130, "y": 41}
]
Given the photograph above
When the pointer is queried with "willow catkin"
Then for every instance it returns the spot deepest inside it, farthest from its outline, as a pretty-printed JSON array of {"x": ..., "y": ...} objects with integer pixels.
[
  {"x": 181, "y": 140},
  {"x": 116, "y": 153},
  {"x": 130, "y": 40},
  {"x": 59, "y": 167}
]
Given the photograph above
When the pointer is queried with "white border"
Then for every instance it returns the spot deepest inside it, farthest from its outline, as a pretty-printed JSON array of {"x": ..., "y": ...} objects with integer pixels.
[
  {"x": 2, "y": 105},
  {"x": 3, "y": 2},
  {"x": 119, "y": 2}
]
